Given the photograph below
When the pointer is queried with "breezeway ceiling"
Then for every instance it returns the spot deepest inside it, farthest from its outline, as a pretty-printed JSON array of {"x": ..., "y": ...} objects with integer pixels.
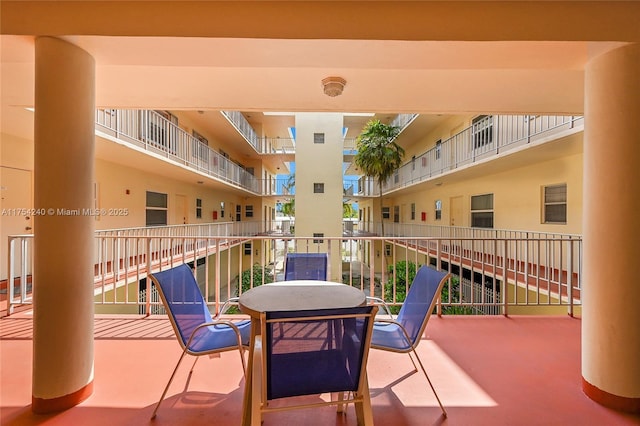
[{"x": 397, "y": 57}]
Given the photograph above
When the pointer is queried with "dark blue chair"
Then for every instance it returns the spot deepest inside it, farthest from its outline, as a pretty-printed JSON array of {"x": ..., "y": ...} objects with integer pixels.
[
  {"x": 403, "y": 334},
  {"x": 310, "y": 353},
  {"x": 305, "y": 266},
  {"x": 197, "y": 332}
]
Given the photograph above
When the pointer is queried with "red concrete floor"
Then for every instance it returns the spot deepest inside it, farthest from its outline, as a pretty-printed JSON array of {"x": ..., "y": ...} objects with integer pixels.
[{"x": 517, "y": 371}]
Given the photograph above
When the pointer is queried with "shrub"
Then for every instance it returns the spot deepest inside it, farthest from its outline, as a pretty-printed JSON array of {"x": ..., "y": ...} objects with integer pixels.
[{"x": 257, "y": 271}]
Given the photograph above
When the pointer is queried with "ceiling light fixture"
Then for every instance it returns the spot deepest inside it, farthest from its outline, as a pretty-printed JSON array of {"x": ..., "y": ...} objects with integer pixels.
[{"x": 333, "y": 86}]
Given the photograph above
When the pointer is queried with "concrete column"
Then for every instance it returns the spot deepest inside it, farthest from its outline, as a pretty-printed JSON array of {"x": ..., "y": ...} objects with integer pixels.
[
  {"x": 611, "y": 291},
  {"x": 64, "y": 236}
]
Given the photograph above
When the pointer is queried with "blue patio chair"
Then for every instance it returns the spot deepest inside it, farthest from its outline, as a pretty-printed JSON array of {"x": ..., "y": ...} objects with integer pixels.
[
  {"x": 311, "y": 353},
  {"x": 197, "y": 332},
  {"x": 305, "y": 266},
  {"x": 403, "y": 334}
]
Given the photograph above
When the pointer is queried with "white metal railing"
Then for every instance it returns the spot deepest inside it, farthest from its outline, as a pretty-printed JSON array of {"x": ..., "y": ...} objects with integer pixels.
[
  {"x": 542, "y": 270},
  {"x": 243, "y": 127},
  {"x": 154, "y": 133},
  {"x": 278, "y": 145},
  {"x": 481, "y": 141},
  {"x": 403, "y": 120}
]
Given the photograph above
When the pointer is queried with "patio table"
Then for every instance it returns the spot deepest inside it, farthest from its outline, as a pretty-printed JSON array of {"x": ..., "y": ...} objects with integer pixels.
[{"x": 292, "y": 295}]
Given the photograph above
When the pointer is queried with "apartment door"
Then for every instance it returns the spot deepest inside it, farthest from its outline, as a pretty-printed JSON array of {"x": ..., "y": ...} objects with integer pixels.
[
  {"x": 181, "y": 211},
  {"x": 455, "y": 216},
  {"x": 17, "y": 208}
]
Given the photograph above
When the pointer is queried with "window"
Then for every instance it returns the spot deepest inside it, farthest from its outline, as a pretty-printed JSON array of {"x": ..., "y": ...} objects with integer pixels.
[
  {"x": 438, "y": 209},
  {"x": 555, "y": 204},
  {"x": 318, "y": 235},
  {"x": 387, "y": 249},
  {"x": 238, "y": 212},
  {"x": 318, "y": 138},
  {"x": 318, "y": 188},
  {"x": 247, "y": 249},
  {"x": 482, "y": 211},
  {"x": 386, "y": 213},
  {"x": 396, "y": 214},
  {"x": 199, "y": 146},
  {"x": 156, "y": 212},
  {"x": 221, "y": 209},
  {"x": 438, "y": 148},
  {"x": 413, "y": 211},
  {"x": 198, "y": 208},
  {"x": 248, "y": 211},
  {"x": 482, "y": 131}
]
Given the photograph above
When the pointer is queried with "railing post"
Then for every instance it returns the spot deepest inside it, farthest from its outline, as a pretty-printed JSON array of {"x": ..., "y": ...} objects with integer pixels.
[
  {"x": 148, "y": 288},
  {"x": 505, "y": 280},
  {"x": 570, "y": 278},
  {"x": 10, "y": 277}
]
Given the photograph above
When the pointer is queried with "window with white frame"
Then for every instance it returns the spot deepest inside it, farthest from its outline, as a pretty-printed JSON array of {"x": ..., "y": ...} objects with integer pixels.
[
  {"x": 198, "y": 208},
  {"x": 555, "y": 204},
  {"x": 482, "y": 211},
  {"x": 156, "y": 209},
  {"x": 248, "y": 210},
  {"x": 386, "y": 213}
]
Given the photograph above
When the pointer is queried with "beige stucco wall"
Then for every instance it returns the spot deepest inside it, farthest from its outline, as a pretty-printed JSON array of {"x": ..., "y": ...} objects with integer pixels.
[
  {"x": 319, "y": 163},
  {"x": 517, "y": 199},
  {"x": 114, "y": 180}
]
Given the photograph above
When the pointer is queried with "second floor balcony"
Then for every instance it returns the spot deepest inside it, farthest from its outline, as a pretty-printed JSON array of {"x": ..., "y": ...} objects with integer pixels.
[{"x": 487, "y": 139}]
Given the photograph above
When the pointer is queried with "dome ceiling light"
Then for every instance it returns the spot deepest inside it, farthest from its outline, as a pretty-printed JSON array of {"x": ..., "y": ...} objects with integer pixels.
[{"x": 333, "y": 86}]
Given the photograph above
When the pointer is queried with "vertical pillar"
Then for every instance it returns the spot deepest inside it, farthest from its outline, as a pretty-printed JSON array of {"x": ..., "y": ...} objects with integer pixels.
[
  {"x": 64, "y": 236},
  {"x": 610, "y": 313},
  {"x": 320, "y": 213}
]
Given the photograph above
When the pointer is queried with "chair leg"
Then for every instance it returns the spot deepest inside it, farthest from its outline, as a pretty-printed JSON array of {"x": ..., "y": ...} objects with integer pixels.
[
  {"x": 342, "y": 406},
  {"x": 415, "y": 367},
  {"x": 444, "y": 412},
  {"x": 194, "y": 365},
  {"x": 166, "y": 388},
  {"x": 364, "y": 412}
]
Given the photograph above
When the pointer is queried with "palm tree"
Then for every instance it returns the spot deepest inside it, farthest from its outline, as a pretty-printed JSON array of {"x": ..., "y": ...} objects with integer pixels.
[{"x": 378, "y": 156}]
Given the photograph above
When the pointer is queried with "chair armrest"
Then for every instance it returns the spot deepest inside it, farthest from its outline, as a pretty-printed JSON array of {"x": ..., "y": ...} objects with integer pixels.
[
  {"x": 216, "y": 322},
  {"x": 380, "y": 302},
  {"x": 227, "y": 305},
  {"x": 400, "y": 326}
]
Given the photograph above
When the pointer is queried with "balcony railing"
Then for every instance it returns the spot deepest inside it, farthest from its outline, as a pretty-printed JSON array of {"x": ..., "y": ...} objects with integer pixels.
[
  {"x": 482, "y": 141},
  {"x": 542, "y": 270},
  {"x": 153, "y": 133}
]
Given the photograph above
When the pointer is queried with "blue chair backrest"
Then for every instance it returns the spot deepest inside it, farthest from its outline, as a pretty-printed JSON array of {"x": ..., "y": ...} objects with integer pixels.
[
  {"x": 305, "y": 266},
  {"x": 420, "y": 301},
  {"x": 183, "y": 299},
  {"x": 310, "y": 354}
]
